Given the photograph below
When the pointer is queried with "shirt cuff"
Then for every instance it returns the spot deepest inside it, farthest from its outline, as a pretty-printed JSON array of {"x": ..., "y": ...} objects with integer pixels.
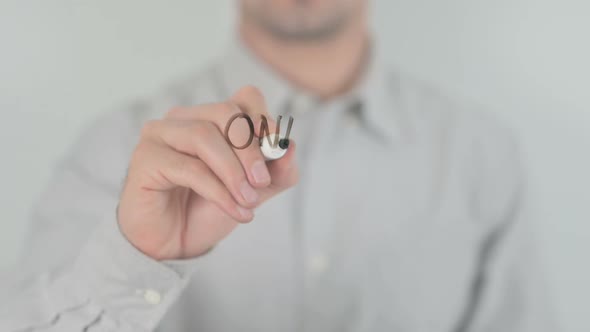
[{"x": 111, "y": 274}]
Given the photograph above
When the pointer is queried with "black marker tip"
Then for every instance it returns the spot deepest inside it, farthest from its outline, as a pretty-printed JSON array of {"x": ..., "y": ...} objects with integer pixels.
[{"x": 284, "y": 143}]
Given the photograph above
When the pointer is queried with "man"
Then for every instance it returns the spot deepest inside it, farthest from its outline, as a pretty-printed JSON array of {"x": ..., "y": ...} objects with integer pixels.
[{"x": 403, "y": 208}]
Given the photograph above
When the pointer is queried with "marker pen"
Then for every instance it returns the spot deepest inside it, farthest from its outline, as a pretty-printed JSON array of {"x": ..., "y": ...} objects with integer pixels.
[{"x": 271, "y": 152}]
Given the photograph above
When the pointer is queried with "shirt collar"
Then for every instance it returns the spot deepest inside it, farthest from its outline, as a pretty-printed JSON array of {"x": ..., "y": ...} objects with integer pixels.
[
  {"x": 374, "y": 92},
  {"x": 241, "y": 67}
]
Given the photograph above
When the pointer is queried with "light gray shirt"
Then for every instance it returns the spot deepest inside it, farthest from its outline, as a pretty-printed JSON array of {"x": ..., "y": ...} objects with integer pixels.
[{"x": 408, "y": 217}]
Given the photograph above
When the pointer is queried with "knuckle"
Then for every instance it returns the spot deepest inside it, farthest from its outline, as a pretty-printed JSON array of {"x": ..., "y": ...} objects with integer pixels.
[
  {"x": 251, "y": 91},
  {"x": 142, "y": 148},
  {"x": 149, "y": 127},
  {"x": 228, "y": 109},
  {"x": 140, "y": 154},
  {"x": 187, "y": 169},
  {"x": 190, "y": 168},
  {"x": 205, "y": 130},
  {"x": 225, "y": 199},
  {"x": 236, "y": 178},
  {"x": 174, "y": 111}
]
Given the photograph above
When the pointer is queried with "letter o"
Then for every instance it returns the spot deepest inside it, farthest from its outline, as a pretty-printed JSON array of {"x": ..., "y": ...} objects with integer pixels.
[{"x": 250, "y": 124}]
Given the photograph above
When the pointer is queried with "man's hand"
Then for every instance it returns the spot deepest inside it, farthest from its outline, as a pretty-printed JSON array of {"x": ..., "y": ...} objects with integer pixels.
[{"x": 187, "y": 188}]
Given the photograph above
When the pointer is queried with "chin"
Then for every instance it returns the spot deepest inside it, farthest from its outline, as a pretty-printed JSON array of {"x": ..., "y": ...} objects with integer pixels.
[{"x": 301, "y": 19}]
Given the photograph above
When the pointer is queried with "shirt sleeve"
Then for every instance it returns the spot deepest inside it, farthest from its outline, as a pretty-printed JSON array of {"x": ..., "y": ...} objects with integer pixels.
[
  {"x": 110, "y": 286},
  {"x": 79, "y": 273}
]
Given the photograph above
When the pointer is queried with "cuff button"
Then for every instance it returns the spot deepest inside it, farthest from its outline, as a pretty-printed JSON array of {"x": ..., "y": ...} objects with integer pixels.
[{"x": 152, "y": 297}]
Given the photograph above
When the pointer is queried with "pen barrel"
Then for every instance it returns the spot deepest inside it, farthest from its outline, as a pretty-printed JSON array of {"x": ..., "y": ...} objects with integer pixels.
[{"x": 273, "y": 147}]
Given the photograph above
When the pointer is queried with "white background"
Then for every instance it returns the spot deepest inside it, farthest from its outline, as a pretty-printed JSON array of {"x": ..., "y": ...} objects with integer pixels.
[{"x": 63, "y": 62}]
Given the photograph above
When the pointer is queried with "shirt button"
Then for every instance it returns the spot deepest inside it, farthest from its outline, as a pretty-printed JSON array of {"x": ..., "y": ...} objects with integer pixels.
[
  {"x": 152, "y": 297},
  {"x": 318, "y": 264}
]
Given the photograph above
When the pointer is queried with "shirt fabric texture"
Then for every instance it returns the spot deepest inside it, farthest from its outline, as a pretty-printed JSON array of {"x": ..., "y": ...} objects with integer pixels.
[{"x": 408, "y": 217}]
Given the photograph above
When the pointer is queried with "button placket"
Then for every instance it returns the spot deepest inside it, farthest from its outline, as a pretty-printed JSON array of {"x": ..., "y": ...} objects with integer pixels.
[{"x": 318, "y": 264}]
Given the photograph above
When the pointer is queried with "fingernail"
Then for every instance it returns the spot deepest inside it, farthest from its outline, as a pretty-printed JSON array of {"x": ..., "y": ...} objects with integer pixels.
[
  {"x": 260, "y": 172},
  {"x": 245, "y": 212},
  {"x": 248, "y": 193}
]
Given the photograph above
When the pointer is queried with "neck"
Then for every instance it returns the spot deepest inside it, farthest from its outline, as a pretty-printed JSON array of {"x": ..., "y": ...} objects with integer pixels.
[{"x": 326, "y": 68}]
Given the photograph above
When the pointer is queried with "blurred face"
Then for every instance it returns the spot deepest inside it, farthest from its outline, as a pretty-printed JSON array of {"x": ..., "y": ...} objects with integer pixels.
[{"x": 302, "y": 19}]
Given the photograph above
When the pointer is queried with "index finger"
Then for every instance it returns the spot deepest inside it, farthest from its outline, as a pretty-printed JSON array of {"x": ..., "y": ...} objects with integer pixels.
[{"x": 252, "y": 102}]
